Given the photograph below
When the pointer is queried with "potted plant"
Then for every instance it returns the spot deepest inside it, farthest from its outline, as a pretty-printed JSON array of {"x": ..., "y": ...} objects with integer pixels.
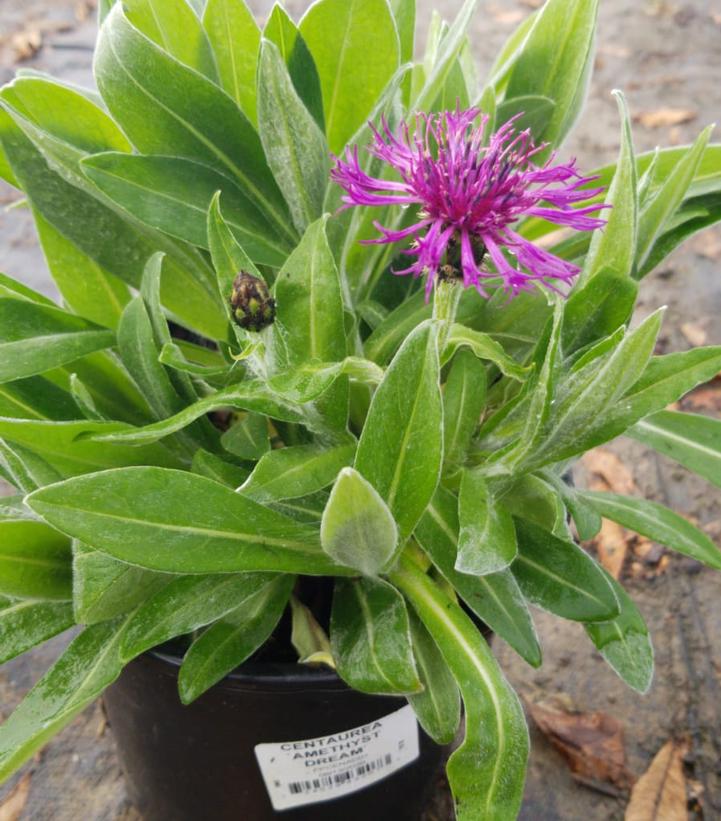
[{"x": 257, "y": 468}]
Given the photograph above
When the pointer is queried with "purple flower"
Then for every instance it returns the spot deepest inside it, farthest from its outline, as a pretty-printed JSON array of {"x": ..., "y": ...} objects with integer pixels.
[{"x": 470, "y": 196}]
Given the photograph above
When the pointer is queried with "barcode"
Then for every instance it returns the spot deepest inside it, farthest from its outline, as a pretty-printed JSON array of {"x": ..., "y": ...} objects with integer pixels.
[{"x": 328, "y": 781}]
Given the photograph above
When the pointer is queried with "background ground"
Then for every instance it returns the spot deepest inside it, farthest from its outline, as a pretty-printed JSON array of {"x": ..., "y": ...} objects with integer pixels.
[{"x": 667, "y": 57}]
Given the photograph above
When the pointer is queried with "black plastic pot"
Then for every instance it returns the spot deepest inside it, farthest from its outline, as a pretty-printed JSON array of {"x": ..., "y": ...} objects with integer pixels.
[{"x": 198, "y": 763}]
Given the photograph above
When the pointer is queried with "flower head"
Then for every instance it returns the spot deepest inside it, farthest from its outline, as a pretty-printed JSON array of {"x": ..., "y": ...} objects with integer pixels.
[{"x": 470, "y": 195}]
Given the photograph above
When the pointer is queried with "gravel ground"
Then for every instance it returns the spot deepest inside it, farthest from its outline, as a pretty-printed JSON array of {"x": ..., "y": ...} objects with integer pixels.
[{"x": 666, "y": 56}]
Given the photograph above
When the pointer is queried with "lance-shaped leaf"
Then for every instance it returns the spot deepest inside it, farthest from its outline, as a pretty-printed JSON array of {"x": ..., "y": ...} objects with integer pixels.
[
  {"x": 35, "y": 338},
  {"x": 464, "y": 397},
  {"x": 438, "y": 706},
  {"x": 487, "y": 771},
  {"x": 308, "y": 638},
  {"x": 235, "y": 38},
  {"x": 358, "y": 529},
  {"x": 24, "y": 469},
  {"x": 214, "y": 467},
  {"x": 294, "y": 145},
  {"x": 233, "y": 639},
  {"x": 65, "y": 450},
  {"x": 175, "y": 28},
  {"x": 659, "y": 210},
  {"x": 89, "y": 665},
  {"x": 532, "y": 111},
  {"x": 179, "y": 522},
  {"x": 281, "y": 30},
  {"x": 658, "y": 523},
  {"x": 185, "y": 604},
  {"x": 25, "y": 624},
  {"x": 36, "y": 398},
  {"x": 614, "y": 245},
  {"x": 487, "y": 538},
  {"x": 173, "y": 194},
  {"x": 558, "y": 576},
  {"x": 625, "y": 642},
  {"x": 555, "y": 61},
  {"x": 248, "y": 439},
  {"x": 166, "y": 108},
  {"x": 400, "y": 449},
  {"x": 105, "y": 588},
  {"x": 310, "y": 322},
  {"x": 689, "y": 438},
  {"x": 484, "y": 347},
  {"x": 370, "y": 637},
  {"x": 290, "y": 473},
  {"x": 34, "y": 561},
  {"x": 352, "y": 75},
  {"x": 496, "y": 599},
  {"x": 252, "y": 395}
]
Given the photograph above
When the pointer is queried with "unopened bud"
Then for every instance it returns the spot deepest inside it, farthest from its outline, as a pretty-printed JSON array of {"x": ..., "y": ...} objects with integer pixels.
[{"x": 253, "y": 306}]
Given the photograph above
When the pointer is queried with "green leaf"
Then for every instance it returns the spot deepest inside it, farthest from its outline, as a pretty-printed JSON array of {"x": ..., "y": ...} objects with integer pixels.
[
  {"x": 586, "y": 519},
  {"x": 178, "y": 522},
  {"x": 487, "y": 771},
  {"x": 235, "y": 38},
  {"x": 294, "y": 472},
  {"x": 358, "y": 529},
  {"x": 555, "y": 62},
  {"x": 597, "y": 309},
  {"x": 36, "y": 398},
  {"x": 247, "y": 439},
  {"x": 464, "y": 397},
  {"x": 438, "y": 705},
  {"x": 658, "y": 523},
  {"x": 176, "y": 29},
  {"x": 34, "y": 561},
  {"x": 105, "y": 588},
  {"x": 484, "y": 347},
  {"x": 589, "y": 394},
  {"x": 89, "y": 665},
  {"x": 614, "y": 245},
  {"x": 404, "y": 12},
  {"x": 281, "y": 30},
  {"x": 390, "y": 333},
  {"x": 294, "y": 144},
  {"x": 173, "y": 194},
  {"x": 625, "y": 642},
  {"x": 400, "y": 449},
  {"x": 24, "y": 469},
  {"x": 487, "y": 538},
  {"x": 213, "y": 467},
  {"x": 496, "y": 599},
  {"x": 252, "y": 395},
  {"x": 86, "y": 288},
  {"x": 557, "y": 575},
  {"x": 166, "y": 108},
  {"x": 12, "y": 288},
  {"x": 185, "y": 604},
  {"x": 25, "y": 624},
  {"x": 371, "y": 639},
  {"x": 352, "y": 75},
  {"x": 309, "y": 324},
  {"x": 659, "y": 210},
  {"x": 534, "y": 112},
  {"x": 58, "y": 443},
  {"x": 102, "y": 234},
  {"x": 666, "y": 379},
  {"x": 691, "y": 439},
  {"x": 233, "y": 639},
  {"x": 35, "y": 338}
]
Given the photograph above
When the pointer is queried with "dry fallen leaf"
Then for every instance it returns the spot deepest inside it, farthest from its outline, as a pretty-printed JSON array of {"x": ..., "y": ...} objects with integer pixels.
[
  {"x": 591, "y": 743},
  {"x": 660, "y": 793},
  {"x": 14, "y": 804},
  {"x": 662, "y": 117},
  {"x": 604, "y": 466},
  {"x": 694, "y": 333}
]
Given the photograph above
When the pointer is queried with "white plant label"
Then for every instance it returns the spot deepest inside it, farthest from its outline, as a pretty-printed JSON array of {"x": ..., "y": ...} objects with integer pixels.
[{"x": 319, "y": 769}]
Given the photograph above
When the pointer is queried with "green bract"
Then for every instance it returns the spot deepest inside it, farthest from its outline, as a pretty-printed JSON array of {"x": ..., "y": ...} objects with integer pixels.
[{"x": 184, "y": 444}]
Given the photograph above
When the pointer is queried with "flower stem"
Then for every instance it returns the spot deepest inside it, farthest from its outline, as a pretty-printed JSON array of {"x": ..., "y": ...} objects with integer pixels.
[{"x": 446, "y": 296}]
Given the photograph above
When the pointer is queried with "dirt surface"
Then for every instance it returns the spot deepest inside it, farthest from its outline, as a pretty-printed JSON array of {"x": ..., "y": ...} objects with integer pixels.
[{"x": 667, "y": 57}]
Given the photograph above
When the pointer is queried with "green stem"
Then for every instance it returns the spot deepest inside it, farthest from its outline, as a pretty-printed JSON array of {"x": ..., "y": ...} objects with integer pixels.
[{"x": 446, "y": 297}]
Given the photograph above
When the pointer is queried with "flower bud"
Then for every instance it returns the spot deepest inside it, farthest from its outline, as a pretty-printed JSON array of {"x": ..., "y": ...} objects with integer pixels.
[{"x": 253, "y": 307}]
